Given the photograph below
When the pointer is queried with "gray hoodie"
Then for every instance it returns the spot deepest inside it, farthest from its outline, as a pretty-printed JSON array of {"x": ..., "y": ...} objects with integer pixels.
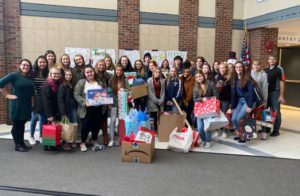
[{"x": 262, "y": 80}]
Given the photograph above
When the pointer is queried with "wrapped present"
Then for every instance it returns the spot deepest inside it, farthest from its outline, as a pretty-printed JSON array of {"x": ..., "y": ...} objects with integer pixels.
[
  {"x": 229, "y": 116},
  {"x": 122, "y": 104},
  {"x": 257, "y": 112},
  {"x": 130, "y": 77},
  {"x": 51, "y": 134},
  {"x": 138, "y": 91},
  {"x": 144, "y": 135},
  {"x": 207, "y": 109},
  {"x": 131, "y": 126},
  {"x": 138, "y": 81},
  {"x": 215, "y": 123},
  {"x": 247, "y": 128},
  {"x": 96, "y": 97}
]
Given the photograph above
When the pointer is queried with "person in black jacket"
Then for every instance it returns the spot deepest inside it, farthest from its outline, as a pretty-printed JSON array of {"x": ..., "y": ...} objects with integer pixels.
[
  {"x": 49, "y": 108},
  {"x": 66, "y": 102}
]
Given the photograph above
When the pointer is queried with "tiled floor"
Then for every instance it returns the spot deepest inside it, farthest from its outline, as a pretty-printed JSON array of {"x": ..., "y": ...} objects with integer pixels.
[{"x": 285, "y": 146}]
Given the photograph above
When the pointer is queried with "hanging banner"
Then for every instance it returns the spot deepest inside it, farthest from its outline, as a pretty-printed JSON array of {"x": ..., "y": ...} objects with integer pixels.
[
  {"x": 99, "y": 54},
  {"x": 85, "y": 52},
  {"x": 133, "y": 55}
]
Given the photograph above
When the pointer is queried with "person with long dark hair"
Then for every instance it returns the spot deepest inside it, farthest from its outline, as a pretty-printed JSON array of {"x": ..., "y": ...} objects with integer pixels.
[
  {"x": 20, "y": 101},
  {"x": 78, "y": 70},
  {"x": 40, "y": 74},
  {"x": 126, "y": 64},
  {"x": 242, "y": 97},
  {"x": 173, "y": 90},
  {"x": 141, "y": 102},
  {"x": 90, "y": 116}
]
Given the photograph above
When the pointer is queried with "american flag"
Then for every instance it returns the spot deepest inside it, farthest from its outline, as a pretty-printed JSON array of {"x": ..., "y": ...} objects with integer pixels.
[{"x": 245, "y": 57}]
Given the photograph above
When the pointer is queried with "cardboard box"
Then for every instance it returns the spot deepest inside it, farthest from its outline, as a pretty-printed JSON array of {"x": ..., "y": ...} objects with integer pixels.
[
  {"x": 137, "y": 152},
  {"x": 139, "y": 91},
  {"x": 167, "y": 123}
]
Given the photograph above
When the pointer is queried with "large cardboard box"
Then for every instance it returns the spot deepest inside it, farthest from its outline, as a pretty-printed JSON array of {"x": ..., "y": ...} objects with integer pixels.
[
  {"x": 139, "y": 91},
  {"x": 137, "y": 152},
  {"x": 167, "y": 123}
]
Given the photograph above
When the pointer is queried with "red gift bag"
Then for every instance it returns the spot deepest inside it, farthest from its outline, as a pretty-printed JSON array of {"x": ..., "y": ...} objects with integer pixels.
[
  {"x": 51, "y": 132},
  {"x": 121, "y": 129},
  {"x": 207, "y": 109},
  {"x": 257, "y": 112},
  {"x": 228, "y": 116}
]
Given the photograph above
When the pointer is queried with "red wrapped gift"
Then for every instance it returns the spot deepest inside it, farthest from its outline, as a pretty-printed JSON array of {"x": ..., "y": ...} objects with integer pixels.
[
  {"x": 257, "y": 112},
  {"x": 52, "y": 132},
  {"x": 207, "y": 109},
  {"x": 121, "y": 129},
  {"x": 228, "y": 116}
]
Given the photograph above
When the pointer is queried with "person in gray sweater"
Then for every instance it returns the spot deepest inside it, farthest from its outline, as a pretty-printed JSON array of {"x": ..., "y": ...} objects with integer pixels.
[{"x": 261, "y": 78}]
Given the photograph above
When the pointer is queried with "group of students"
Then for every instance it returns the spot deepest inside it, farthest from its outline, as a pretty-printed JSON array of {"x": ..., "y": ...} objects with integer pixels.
[{"x": 50, "y": 91}]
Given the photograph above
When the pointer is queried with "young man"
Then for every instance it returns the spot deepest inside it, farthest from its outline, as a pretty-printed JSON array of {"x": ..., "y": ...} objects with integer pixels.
[
  {"x": 276, "y": 80},
  {"x": 147, "y": 58},
  {"x": 178, "y": 64}
]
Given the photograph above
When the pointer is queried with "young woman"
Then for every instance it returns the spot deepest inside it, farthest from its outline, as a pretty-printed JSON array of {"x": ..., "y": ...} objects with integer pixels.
[
  {"x": 199, "y": 63},
  {"x": 78, "y": 71},
  {"x": 65, "y": 63},
  {"x": 230, "y": 68},
  {"x": 20, "y": 101},
  {"x": 125, "y": 62},
  {"x": 117, "y": 82},
  {"x": 152, "y": 66},
  {"x": 165, "y": 67},
  {"x": 67, "y": 103},
  {"x": 109, "y": 63},
  {"x": 242, "y": 97},
  {"x": 40, "y": 75},
  {"x": 215, "y": 68},
  {"x": 90, "y": 116},
  {"x": 104, "y": 76},
  {"x": 49, "y": 102},
  {"x": 51, "y": 59},
  {"x": 140, "y": 103},
  {"x": 188, "y": 82},
  {"x": 203, "y": 90},
  {"x": 261, "y": 79},
  {"x": 173, "y": 90},
  {"x": 223, "y": 86},
  {"x": 156, "y": 95},
  {"x": 207, "y": 72}
]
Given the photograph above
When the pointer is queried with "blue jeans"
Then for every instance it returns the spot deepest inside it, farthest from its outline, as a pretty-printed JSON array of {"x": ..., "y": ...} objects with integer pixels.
[
  {"x": 72, "y": 114},
  {"x": 171, "y": 108},
  {"x": 34, "y": 118},
  {"x": 205, "y": 135},
  {"x": 239, "y": 113},
  {"x": 113, "y": 119},
  {"x": 275, "y": 106}
]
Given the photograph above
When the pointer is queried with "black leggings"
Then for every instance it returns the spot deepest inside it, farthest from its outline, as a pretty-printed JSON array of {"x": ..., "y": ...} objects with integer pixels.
[
  {"x": 17, "y": 131},
  {"x": 91, "y": 122}
]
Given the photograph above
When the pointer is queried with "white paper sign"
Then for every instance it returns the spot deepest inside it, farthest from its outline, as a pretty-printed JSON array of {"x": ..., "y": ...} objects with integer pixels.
[
  {"x": 133, "y": 55},
  {"x": 157, "y": 56},
  {"x": 99, "y": 54},
  {"x": 85, "y": 52},
  {"x": 173, "y": 53}
]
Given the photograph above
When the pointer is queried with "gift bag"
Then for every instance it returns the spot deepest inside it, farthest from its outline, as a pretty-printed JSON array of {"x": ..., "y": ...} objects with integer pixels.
[
  {"x": 122, "y": 104},
  {"x": 121, "y": 130},
  {"x": 257, "y": 112},
  {"x": 68, "y": 131},
  {"x": 131, "y": 126},
  {"x": 51, "y": 134},
  {"x": 229, "y": 116},
  {"x": 247, "y": 127},
  {"x": 207, "y": 109},
  {"x": 215, "y": 123},
  {"x": 181, "y": 141},
  {"x": 196, "y": 136}
]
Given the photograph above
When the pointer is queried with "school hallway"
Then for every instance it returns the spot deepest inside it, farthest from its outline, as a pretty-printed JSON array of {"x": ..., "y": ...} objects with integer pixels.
[{"x": 171, "y": 173}]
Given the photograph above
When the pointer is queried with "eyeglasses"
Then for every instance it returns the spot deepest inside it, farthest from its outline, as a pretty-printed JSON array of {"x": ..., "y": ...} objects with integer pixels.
[{"x": 55, "y": 73}]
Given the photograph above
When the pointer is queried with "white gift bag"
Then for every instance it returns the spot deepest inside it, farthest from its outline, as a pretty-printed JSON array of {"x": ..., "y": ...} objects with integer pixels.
[
  {"x": 181, "y": 141},
  {"x": 215, "y": 123}
]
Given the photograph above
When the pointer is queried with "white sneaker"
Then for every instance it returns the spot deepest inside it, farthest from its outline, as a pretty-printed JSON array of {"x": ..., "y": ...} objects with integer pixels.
[
  {"x": 40, "y": 140},
  {"x": 254, "y": 135},
  {"x": 31, "y": 141},
  {"x": 224, "y": 135},
  {"x": 216, "y": 134},
  {"x": 208, "y": 145},
  {"x": 111, "y": 143},
  {"x": 83, "y": 147},
  {"x": 264, "y": 136}
]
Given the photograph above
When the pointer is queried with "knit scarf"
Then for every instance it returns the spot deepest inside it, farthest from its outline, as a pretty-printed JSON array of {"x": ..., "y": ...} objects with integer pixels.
[{"x": 53, "y": 84}]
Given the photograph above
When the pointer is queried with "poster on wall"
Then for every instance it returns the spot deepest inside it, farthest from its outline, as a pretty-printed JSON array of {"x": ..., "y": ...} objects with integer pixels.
[
  {"x": 133, "y": 55},
  {"x": 99, "y": 54},
  {"x": 157, "y": 56},
  {"x": 172, "y": 53},
  {"x": 85, "y": 52}
]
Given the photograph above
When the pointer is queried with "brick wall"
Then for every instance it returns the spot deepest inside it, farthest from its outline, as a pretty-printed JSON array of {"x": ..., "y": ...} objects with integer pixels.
[
  {"x": 258, "y": 39},
  {"x": 129, "y": 24},
  {"x": 224, "y": 18},
  {"x": 10, "y": 44},
  {"x": 188, "y": 27}
]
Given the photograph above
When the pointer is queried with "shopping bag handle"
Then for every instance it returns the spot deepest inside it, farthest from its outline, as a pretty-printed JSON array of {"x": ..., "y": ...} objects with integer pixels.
[{"x": 65, "y": 120}]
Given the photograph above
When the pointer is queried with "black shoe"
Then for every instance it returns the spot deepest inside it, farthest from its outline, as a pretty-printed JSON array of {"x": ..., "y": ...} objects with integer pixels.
[
  {"x": 26, "y": 147},
  {"x": 274, "y": 134},
  {"x": 236, "y": 138},
  {"x": 242, "y": 141},
  {"x": 20, "y": 148}
]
